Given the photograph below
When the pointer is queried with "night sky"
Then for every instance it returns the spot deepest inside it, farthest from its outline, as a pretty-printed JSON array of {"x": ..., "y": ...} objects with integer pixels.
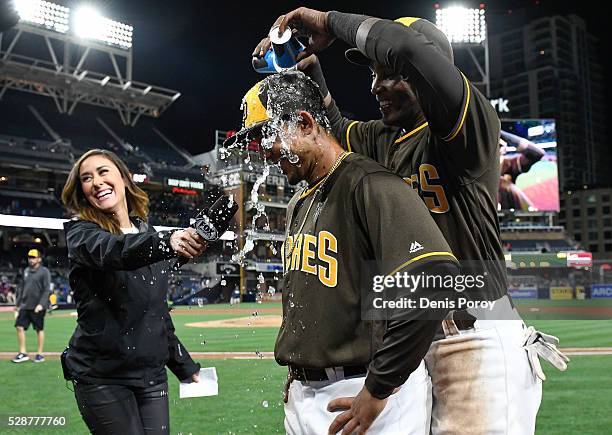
[{"x": 203, "y": 48}]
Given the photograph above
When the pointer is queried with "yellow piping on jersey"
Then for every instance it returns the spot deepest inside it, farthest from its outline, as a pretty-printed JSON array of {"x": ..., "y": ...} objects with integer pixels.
[
  {"x": 420, "y": 257},
  {"x": 348, "y": 138},
  {"x": 452, "y": 135},
  {"x": 410, "y": 133},
  {"x": 313, "y": 188}
]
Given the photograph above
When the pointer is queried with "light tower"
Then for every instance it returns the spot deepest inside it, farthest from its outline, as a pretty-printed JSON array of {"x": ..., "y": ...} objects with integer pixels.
[
  {"x": 88, "y": 59},
  {"x": 466, "y": 29}
]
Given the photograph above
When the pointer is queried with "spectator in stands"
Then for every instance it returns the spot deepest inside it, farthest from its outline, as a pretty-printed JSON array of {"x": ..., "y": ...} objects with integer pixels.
[
  {"x": 11, "y": 297},
  {"x": 5, "y": 289},
  {"x": 124, "y": 337},
  {"x": 31, "y": 305}
]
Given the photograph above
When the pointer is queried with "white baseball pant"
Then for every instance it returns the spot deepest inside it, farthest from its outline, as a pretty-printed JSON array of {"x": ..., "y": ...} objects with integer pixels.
[
  {"x": 408, "y": 411},
  {"x": 482, "y": 381}
]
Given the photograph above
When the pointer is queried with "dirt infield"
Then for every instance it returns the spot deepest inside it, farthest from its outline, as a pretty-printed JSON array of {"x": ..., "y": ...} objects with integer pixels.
[
  {"x": 202, "y": 355},
  {"x": 228, "y": 310},
  {"x": 273, "y": 321},
  {"x": 569, "y": 351}
]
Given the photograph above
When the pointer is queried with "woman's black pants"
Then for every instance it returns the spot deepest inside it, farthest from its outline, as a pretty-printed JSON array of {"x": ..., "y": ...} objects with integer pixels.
[{"x": 120, "y": 409}]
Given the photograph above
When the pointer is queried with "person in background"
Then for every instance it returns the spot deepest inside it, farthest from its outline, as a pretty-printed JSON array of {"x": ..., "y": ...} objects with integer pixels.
[
  {"x": 526, "y": 155},
  {"x": 31, "y": 305},
  {"x": 5, "y": 289}
]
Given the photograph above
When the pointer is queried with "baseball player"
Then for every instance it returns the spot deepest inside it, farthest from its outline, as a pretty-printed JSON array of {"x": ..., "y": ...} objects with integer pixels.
[
  {"x": 336, "y": 224},
  {"x": 441, "y": 135},
  {"x": 510, "y": 196}
]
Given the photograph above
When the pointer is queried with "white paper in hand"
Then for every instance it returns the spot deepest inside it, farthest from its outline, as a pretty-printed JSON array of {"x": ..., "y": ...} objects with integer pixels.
[{"x": 206, "y": 387}]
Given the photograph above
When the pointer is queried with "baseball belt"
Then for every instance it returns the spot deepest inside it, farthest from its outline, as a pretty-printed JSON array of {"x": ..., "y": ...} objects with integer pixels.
[{"x": 317, "y": 375}]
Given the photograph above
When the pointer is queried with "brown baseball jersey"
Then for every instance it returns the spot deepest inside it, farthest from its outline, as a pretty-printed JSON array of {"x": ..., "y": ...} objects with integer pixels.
[
  {"x": 361, "y": 213},
  {"x": 459, "y": 186},
  {"x": 451, "y": 158}
]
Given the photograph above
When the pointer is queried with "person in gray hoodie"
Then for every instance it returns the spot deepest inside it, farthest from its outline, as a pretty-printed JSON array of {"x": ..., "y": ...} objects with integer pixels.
[{"x": 31, "y": 305}]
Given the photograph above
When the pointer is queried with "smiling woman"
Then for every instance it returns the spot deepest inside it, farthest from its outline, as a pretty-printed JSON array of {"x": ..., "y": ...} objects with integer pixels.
[
  {"x": 124, "y": 337},
  {"x": 99, "y": 188}
]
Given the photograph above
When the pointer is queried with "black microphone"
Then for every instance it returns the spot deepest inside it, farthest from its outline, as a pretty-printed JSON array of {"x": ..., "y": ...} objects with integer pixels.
[{"x": 212, "y": 223}]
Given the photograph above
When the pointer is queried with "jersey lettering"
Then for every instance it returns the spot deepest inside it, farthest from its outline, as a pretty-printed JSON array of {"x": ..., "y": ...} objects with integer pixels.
[
  {"x": 301, "y": 251},
  {"x": 425, "y": 183},
  {"x": 308, "y": 254},
  {"x": 286, "y": 251},
  {"x": 328, "y": 243},
  {"x": 296, "y": 251}
]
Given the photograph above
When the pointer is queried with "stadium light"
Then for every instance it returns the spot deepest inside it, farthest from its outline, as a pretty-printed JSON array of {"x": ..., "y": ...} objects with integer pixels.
[
  {"x": 462, "y": 25},
  {"x": 88, "y": 23},
  {"x": 43, "y": 14}
]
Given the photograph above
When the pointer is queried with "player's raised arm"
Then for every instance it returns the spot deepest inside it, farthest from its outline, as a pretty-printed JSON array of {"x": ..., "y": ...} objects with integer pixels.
[
  {"x": 400, "y": 47},
  {"x": 414, "y": 51}
]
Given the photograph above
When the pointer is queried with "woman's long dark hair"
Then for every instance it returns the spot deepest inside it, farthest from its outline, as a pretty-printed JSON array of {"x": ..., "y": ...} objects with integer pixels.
[{"x": 75, "y": 201}]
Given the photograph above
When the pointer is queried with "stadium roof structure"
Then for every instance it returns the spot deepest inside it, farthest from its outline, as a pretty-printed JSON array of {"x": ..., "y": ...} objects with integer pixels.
[{"x": 72, "y": 70}]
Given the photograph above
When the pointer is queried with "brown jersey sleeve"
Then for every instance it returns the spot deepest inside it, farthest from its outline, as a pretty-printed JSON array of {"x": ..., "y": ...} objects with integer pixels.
[
  {"x": 400, "y": 228},
  {"x": 472, "y": 146}
]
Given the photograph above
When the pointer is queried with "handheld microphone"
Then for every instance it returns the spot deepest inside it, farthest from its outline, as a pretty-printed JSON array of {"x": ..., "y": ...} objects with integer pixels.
[{"x": 211, "y": 224}]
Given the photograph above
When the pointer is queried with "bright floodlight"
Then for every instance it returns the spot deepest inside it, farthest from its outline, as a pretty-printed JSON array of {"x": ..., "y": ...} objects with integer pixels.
[
  {"x": 90, "y": 24},
  {"x": 43, "y": 14},
  {"x": 462, "y": 25}
]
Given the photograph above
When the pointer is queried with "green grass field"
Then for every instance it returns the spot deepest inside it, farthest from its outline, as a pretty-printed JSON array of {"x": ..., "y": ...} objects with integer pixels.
[{"x": 578, "y": 401}]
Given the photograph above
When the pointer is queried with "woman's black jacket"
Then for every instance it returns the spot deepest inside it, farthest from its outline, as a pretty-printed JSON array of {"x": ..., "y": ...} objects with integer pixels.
[{"x": 124, "y": 332}]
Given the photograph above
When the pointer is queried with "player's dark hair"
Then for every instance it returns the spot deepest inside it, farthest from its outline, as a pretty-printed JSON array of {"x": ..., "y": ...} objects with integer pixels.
[{"x": 291, "y": 91}]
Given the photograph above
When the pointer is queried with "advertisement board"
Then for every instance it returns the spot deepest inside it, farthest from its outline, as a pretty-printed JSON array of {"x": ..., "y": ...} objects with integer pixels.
[
  {"x": 599, "y": 291},
  {"x": 561, "y": 293},
  {"x": 529, "y": 178},
  {"x": 523, "y": 293}
]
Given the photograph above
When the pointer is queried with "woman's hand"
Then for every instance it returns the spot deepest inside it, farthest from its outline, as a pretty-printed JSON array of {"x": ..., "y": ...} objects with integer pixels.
[
  {"x": 193, "y": 378},
  {"x": 187, "y": 243}
]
